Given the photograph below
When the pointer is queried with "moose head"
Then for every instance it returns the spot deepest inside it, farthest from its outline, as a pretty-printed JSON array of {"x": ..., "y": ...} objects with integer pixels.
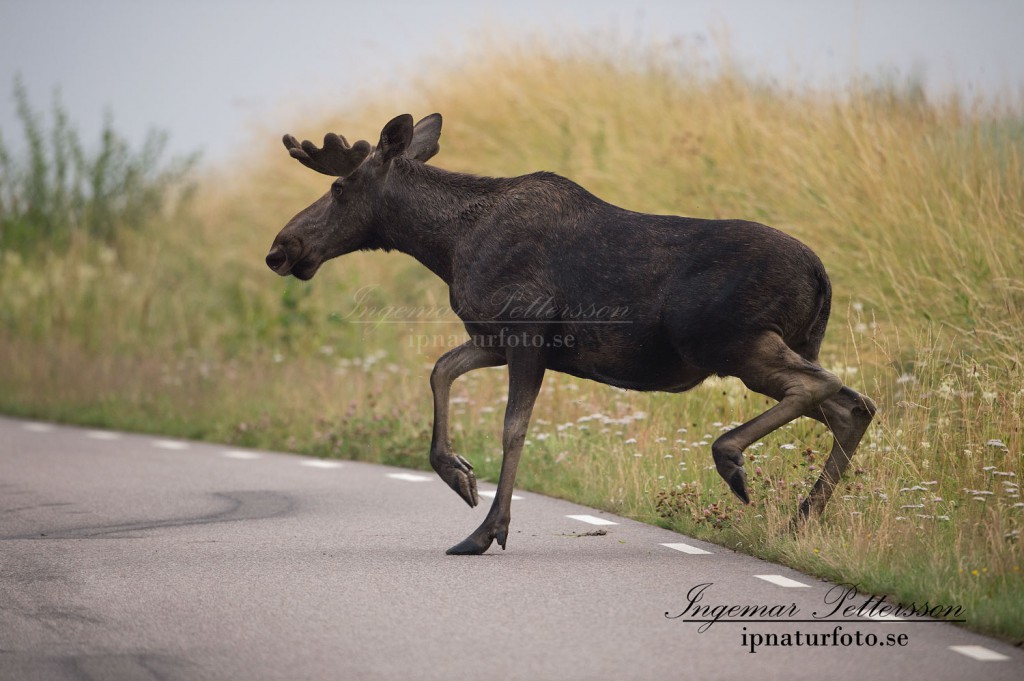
[{"x": 342, "y": 220}]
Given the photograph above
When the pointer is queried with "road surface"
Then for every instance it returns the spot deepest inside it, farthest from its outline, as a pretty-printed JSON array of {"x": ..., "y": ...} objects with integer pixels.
[{"x": 138, "y": 557}]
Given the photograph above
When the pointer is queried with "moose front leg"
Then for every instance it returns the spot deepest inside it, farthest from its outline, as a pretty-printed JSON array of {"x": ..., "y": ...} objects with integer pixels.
[
  {"x": 454, "y": 469},
  {"x": 525, "y": 374}
]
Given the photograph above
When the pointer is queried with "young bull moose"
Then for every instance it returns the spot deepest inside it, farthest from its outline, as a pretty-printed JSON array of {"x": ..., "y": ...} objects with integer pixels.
[{"x": 534, "y": 263}]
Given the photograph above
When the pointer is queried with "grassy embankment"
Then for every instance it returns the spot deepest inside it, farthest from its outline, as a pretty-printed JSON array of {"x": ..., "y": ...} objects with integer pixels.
[{"x": 915, "y": 206}]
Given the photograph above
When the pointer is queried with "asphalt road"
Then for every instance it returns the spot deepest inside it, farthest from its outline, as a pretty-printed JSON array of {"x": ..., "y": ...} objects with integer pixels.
[{"x": 135, "y": 557}]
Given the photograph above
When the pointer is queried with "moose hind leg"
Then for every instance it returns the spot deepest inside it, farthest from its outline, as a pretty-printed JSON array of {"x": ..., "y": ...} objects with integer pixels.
[
  {"x": 848, "y": 415},
  {"x": 768, "y": 366}
]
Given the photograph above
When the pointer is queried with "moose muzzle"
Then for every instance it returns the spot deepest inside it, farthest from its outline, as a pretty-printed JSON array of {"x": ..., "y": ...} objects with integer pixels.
[{"x": 277, "y": 260}]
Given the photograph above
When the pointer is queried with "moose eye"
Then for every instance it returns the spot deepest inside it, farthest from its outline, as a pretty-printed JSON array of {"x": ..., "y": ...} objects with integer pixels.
[{"x": 336, "y": 191}]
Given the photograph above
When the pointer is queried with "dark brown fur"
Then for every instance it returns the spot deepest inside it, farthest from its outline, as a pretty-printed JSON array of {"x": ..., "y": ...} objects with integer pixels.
[{"x": 545, "y": 275}]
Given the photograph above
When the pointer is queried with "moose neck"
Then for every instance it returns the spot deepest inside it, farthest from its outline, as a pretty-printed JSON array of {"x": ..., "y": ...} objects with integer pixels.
[{"x": 425, "y": 211}]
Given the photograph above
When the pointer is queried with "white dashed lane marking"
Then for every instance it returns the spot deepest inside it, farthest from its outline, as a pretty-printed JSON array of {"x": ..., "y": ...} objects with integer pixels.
[
  {"x": 979, "y": 653},
  {"x": 240, "y": 455},
  {"x": 320, "y": 463},
  {"x": 37, "y": 427},
  {"x": 408, "y": 477},
  {"x": 686, "y": 548},
  {"x": 102, "y": 435},
  {"x": 490, "y": 493},
  {"x": 170, "y": 444},
  {"x": 592, "y": 519},
  {"x": 885, "y": 618},
  {"x": 779, "y": 580}
]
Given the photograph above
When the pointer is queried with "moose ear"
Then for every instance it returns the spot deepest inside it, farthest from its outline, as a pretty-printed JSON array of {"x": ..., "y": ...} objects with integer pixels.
[
  {"x": 424, "y": 138},
  {"x": 395, "y": 137}
]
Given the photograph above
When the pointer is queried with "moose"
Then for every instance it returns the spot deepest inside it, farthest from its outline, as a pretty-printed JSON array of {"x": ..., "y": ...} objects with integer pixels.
[{"x": 532, "y": 261}]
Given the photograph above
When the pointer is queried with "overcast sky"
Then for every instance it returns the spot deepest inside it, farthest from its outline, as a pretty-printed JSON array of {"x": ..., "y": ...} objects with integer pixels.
[{"x": 203, "y": 70}]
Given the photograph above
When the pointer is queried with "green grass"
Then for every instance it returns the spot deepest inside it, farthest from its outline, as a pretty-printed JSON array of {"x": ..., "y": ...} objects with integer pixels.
[
  {"x": 60, "y": 191},
  {"x": 915, "y": 206}
]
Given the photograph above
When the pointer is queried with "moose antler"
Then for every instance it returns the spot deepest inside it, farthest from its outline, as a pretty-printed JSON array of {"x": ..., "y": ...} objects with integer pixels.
[{"x": 336, "y": 158}]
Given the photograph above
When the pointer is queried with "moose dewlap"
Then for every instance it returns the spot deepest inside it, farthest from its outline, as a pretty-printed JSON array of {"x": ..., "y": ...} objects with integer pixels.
[{"x": 544, "y": 275}]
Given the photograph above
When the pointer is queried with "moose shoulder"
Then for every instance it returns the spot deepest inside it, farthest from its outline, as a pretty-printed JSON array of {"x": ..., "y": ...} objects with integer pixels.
[{"x": 544, "y": 275}]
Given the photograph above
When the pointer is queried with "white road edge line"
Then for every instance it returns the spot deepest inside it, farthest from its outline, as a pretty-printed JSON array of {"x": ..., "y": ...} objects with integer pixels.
[
  {"x": 37, "y": 427},
  {"x": 409, "y": 477},
  {"x": 686, "y": 548},
  {"x": 979, "y": 653},
  {"x": 593, "y": 520},
  {"x": 170, "y": 444},
  {"x": 779, "y": 580},
  {"x": 320, "y": 463},
  {"x": 490, "y": 494},
  {"x": 240, "y": 455}
]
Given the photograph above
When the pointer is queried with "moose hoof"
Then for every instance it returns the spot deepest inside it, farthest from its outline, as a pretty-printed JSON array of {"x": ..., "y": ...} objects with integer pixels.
[
  {"x": 458, "y": 473},
  {"x": 738, "y": 484},
  {"x": 470, "y": 546},
  {"x": 805, "y": 510},
  {"x": 809, "y": 508},
  {"x": 481, "y": 539}
]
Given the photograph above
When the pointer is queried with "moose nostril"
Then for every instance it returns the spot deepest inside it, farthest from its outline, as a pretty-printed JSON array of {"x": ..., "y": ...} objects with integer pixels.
[{"x": 276, "y": 258}]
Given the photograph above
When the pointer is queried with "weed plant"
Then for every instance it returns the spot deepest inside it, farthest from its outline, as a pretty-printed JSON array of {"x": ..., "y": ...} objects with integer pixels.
[{"x": 60, "y": 190}]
